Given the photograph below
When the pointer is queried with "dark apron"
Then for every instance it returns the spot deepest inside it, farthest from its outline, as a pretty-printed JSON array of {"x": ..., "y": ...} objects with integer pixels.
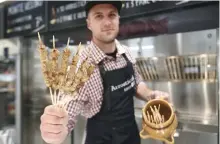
[{"x": 115, "y": 123}]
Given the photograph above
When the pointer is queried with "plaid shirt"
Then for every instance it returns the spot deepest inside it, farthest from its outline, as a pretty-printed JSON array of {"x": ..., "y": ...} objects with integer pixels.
[{"x": 89, "y": 99}]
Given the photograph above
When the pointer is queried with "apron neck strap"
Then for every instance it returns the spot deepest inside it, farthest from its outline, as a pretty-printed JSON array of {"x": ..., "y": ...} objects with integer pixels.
[
  {"x": 101, "y": 69},
  {"x": 125, "y": 57},
  {"x": 101, "y": 65}
]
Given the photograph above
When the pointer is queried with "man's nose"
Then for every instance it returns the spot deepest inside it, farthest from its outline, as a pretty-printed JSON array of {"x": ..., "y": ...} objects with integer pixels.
[{"x": 107, "y": 22}]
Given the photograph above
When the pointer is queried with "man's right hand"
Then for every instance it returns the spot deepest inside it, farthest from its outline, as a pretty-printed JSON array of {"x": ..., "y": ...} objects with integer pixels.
[{"x": 54, "y": 125}]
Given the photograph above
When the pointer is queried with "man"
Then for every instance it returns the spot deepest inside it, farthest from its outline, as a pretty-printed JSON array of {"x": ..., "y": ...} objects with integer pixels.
[{"x": 107, "y": 98}]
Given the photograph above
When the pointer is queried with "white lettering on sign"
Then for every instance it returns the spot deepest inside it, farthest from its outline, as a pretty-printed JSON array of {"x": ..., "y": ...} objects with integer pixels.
[
  {"x": 24, "y": 7},
  {"x": 70, "y": 17},
  {"x": 126, "y": 85},
  {"x": 138, "y": 3},
  {"x": 20, "y": 28},
  {"x": 15, "y": 9},
  {"x": 70, "y": 6},
  {"x": 22, "y": 19},
  {"x": 30, "y": 5}
]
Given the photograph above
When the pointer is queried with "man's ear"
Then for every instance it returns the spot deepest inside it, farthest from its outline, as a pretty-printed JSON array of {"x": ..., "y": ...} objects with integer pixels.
[
  {"x": 88, "y": 23},
  {"x": 119, "y": 19}
]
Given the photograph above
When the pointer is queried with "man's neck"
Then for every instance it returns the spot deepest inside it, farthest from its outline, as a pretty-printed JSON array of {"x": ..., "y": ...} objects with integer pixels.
[{"x": 105, "y": 47}]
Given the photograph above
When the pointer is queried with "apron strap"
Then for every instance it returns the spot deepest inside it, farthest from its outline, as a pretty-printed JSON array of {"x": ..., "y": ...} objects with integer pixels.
[
  {"x": 105, "y": 89},
  {"x": 126, "y": 58},
  {"x": 101, "y": 68},
  {"x": 102, "y": 71}
]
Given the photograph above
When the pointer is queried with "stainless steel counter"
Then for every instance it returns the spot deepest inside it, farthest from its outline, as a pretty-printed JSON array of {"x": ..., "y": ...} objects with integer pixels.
[{"x": 187, "y": 132}]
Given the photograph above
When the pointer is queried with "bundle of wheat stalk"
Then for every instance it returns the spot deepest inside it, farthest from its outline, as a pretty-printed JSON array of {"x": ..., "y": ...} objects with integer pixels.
[
  {"x": 155, "y": 116},
  {"x": 63, "y": 76}
]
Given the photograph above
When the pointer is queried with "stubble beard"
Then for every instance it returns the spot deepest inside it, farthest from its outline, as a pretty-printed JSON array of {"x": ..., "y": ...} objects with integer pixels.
[{"x": 107, "y": 39}]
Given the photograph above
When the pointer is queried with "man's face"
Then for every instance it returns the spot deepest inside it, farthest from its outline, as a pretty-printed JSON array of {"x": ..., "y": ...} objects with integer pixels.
[{"x": 103, "y": 21}]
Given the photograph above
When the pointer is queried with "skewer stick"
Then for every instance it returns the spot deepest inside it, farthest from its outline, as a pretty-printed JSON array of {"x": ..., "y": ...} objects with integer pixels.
[
  {"x": 163, "y": 119},
  {"x": 68, "y": 42},
  {"x": 53, "y": 42},
  {"x": 79, "y": 48},
  {"x": 159, "y": 108},
  {"x": 152, "y": 118},
  {"x": 65, "y": 102},
  {"x": 77, "y": 53},
  {"x": 154, "y": 114},
  {"x": 158, "y": 114},
  {"x": 148, "y": 116},
  {"x": 51, "y": 94},
  {"x": 55, "y": 96},
  {"x": 39, "y": 38},
  {"x": 58, "y": 96}
]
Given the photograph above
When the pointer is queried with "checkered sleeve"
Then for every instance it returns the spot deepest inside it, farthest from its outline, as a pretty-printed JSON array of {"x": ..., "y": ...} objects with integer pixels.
[
  {"x": 94, "y": 88},
  {"x": 88, "y": 101}
]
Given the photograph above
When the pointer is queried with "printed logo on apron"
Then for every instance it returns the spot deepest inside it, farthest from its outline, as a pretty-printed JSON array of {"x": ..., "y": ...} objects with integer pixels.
[{"x": 127, "y": 85}]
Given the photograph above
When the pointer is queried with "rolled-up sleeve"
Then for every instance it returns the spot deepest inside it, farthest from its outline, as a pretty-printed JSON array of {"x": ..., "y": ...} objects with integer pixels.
[
  {"x": 73, "y": 109},
  {"x": 75, "y": 106},
  {"x": 138, "y": 77}
]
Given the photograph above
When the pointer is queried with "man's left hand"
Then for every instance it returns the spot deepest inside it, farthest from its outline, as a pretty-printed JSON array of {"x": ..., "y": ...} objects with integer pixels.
[{"x": 159, "y": 95}]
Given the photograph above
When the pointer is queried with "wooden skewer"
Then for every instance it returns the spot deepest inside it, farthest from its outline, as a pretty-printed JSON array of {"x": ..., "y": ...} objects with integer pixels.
[
  {"x": 156, "y": 114},
  {"x": 156, "y": 117},
  {"x": 55, "y": 95},
  {"x": 78, "y": 49},
  {"x": 153, "y": 112},
  {"x": 53, "y": 42},
  {"x": 159, "y": 113},
  {"x": 77, "y": 53},
  {"x": 51, "y": 94},
  {"x": 148, "y": 116},
  {"x": 163, "y": 119},
  {"x": 65, "y": 102},
  {"x": 54, "y": 48},
  {"x": 58, "y": 96},
  {"x": 151, "y": 116},
  {"x": 68, "y": 42},
  {"x": 39, "y": 38},
  {"x": 159, "y": 107}
]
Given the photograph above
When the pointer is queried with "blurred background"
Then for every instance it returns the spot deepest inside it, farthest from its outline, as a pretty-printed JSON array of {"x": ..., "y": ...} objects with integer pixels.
[{"x": 176, "y": 44}]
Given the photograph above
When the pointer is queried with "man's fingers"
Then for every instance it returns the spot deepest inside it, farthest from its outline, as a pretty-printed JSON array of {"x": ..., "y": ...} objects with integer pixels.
[
  {"x": 52, "y": 128},
  {"x": 51, "y": 137},
  {"x": 55, "y": 111},
  {"x": 52, "y": 119}
]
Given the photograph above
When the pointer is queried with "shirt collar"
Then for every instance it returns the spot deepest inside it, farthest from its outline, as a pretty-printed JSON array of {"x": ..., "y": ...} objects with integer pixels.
[{"x": 98, "y": 55}]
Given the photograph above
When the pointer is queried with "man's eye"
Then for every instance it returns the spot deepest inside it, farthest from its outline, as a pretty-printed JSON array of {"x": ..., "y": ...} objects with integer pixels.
[
  {"x": 98, "y": 16},
  {"x": 112, "y": 15}
]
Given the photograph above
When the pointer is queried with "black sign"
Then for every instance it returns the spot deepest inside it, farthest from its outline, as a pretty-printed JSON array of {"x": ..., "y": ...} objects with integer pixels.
[
  {"x": 138, "y": 7},
  {"x": 65, "y": 14},
  {"x": 24, "y": 18},
  {"x": 195, "y": 19}
]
